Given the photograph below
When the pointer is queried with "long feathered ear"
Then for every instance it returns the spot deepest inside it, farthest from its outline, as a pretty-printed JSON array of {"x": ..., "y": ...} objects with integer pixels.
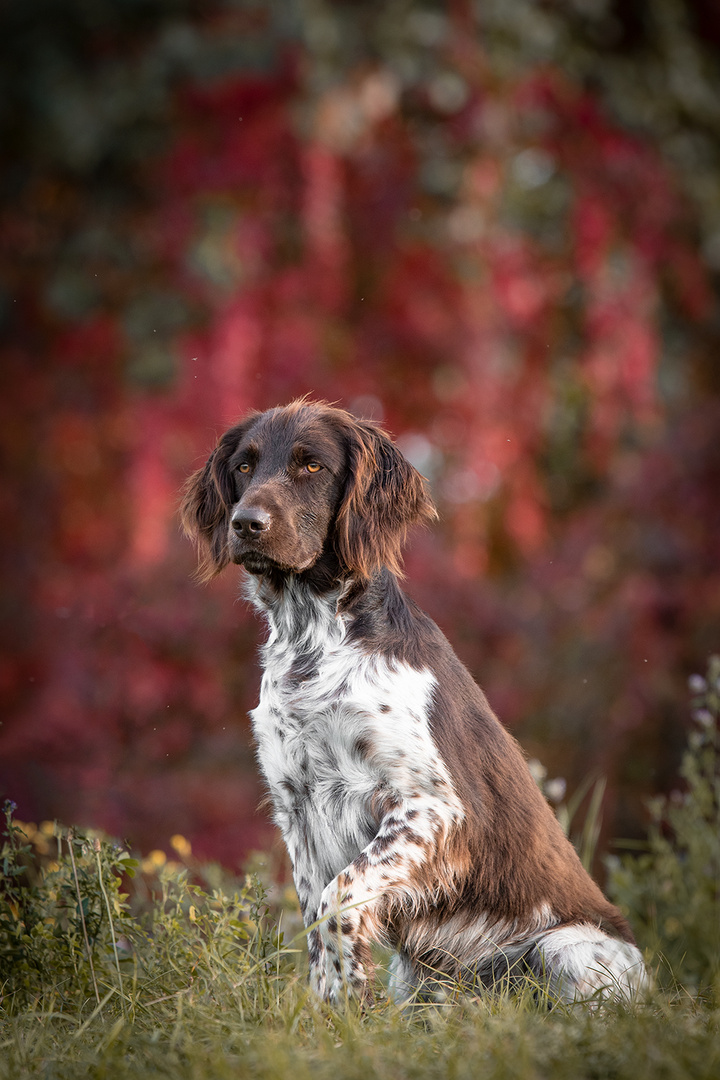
[
  {"x": 207, "y": 499},
  {"x": 384, "y": 496}
]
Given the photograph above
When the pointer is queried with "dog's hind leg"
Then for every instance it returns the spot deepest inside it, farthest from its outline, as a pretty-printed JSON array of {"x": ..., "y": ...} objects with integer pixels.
[{"x": 581, "y": 962}]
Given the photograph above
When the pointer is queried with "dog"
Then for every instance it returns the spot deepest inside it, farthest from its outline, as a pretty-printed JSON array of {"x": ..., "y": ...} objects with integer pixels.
[{"x": 408, "y": 811}]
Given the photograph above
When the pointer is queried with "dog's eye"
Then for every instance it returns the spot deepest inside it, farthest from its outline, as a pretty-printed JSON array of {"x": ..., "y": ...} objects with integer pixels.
[
  {"x": 313, "y": 466},
  {"x": 244, "y": 467}
]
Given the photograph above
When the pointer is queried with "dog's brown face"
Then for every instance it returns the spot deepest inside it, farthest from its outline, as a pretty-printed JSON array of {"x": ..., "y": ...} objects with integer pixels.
[
  {"x": 301, "y": 487},
  {"x": 287, "y": 481}
]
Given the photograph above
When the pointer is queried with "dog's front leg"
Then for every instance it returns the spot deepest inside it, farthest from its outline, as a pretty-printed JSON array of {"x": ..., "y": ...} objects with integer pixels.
[
  {"x": 395, "y": 869},
  {"x": 338, "y": 947}
]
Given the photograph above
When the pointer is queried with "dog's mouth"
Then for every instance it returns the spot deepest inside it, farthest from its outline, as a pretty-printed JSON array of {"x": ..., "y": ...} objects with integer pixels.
[
  {"x": 260, "y": 564},
  {"x": 254, "y": 562}
]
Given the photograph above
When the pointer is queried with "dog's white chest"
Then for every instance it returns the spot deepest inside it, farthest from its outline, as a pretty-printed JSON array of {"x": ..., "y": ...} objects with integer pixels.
[{"x": 336, "y": 731}]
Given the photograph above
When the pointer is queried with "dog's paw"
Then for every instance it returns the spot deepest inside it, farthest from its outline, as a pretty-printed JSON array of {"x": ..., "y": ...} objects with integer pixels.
[{"x": 340, "y": 992}]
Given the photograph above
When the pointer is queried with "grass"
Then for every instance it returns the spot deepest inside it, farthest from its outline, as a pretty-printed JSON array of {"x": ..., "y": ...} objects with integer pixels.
[
  {"x": 239, "y": 1032},
  {"x": 113, "y": 966}
]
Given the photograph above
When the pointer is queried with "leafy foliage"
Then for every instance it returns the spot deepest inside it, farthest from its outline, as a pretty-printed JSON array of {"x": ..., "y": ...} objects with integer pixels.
[
  {"x": 70, "y": 937},
  {"x": 59, "y": 924},
  {"x": 671, "y": 892}
]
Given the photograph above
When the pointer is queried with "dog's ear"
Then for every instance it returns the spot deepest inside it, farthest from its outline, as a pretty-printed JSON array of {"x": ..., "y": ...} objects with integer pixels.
[
  {"x": 208, "y": 497},
  {"x": 384, "y": 495}
]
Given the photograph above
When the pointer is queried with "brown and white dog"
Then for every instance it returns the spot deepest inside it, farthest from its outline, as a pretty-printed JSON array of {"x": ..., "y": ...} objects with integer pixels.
[{"x": 408, "y": 811}]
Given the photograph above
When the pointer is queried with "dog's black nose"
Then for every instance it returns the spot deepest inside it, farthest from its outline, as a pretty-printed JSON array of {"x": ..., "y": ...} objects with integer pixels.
[{"x": 251, "y": 521}]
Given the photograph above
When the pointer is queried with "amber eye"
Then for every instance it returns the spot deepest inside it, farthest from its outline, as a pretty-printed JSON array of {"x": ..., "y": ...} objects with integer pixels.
[
  {"x": 313, "y": 466},
  {"x": 244, "y": 467}
]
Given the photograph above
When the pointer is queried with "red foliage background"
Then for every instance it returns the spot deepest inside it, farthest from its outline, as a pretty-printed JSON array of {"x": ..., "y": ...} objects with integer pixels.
[{"x": 484, "y": 259}]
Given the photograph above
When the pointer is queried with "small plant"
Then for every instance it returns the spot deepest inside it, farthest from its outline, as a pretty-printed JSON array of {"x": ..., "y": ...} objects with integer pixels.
[
  {"x": 71, "y": 939},
  {"x": 586, "y": 833},
  {"x": 671, "y": 892},
  {"x": 60, "y": 918}
]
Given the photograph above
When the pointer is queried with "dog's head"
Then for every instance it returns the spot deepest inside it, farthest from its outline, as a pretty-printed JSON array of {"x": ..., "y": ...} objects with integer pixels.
[{"x": 292, "y": 487}]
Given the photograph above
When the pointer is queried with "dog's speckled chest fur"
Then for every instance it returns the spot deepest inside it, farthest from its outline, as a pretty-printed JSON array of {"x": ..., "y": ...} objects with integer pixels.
[{"x": 338, "y": 733}]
